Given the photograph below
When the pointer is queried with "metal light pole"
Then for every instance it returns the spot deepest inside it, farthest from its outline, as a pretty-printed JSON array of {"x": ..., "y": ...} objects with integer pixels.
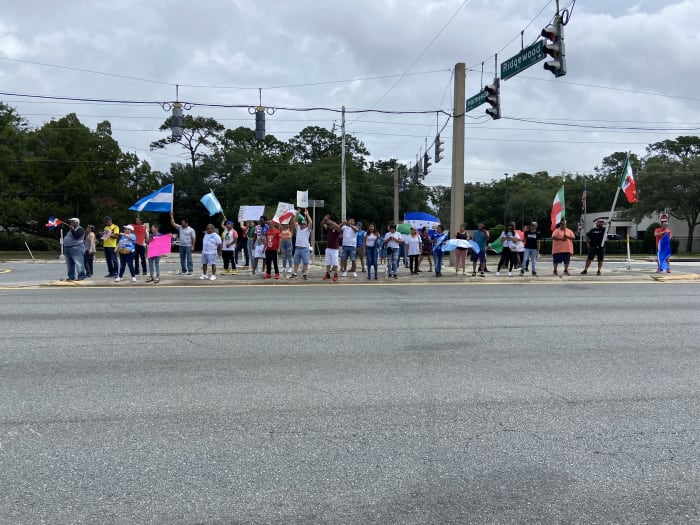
[
  {"x": 343, "y": 195},
  {"x": 505, "y": 204}
]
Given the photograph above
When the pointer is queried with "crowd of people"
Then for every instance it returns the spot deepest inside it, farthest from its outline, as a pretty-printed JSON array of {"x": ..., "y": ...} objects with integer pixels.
[{"x": 271, "y": 249}]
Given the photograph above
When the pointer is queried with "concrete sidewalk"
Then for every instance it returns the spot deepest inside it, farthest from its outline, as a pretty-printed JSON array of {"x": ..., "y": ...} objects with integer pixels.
[{"x": 641, "y": 270}]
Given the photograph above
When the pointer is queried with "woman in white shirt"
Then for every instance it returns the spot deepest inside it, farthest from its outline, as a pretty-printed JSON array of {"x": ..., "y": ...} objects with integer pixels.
[
  {"x": 370, "y": 245},
  {"x": 413, "y": 248}
]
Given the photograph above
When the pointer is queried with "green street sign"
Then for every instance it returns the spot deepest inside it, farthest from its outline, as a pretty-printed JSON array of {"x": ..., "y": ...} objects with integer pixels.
[
  {"x": 477, "y": 100},
  {"x": 523, "y": 60}
]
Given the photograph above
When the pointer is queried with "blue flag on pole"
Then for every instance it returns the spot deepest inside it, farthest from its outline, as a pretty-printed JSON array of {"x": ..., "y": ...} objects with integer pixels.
[
  {"x": 211, "y": 203},
  {"x": 159, "y": 201}
]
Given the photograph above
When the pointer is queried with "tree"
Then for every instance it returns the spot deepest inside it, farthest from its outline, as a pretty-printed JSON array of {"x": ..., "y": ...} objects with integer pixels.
[
  {"x": 671, "y": 180},
  {"x": 198, "y": 135}
]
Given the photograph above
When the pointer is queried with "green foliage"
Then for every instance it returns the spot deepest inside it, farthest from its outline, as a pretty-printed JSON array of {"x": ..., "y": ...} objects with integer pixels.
[{"x": 15, "y": 242}]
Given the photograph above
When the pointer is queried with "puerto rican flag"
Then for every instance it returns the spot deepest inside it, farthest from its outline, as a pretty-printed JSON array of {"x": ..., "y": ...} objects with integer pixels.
[{"x": 53, "y": 222}]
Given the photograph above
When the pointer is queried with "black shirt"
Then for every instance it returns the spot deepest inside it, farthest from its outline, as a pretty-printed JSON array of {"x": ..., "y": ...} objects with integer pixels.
[
  {"x": 595, "y": 237},
  {"x": 531, "y": 239}
]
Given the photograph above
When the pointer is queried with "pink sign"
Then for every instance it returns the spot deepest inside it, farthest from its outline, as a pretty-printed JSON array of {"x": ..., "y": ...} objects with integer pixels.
[{"x": 159, "y": 245}]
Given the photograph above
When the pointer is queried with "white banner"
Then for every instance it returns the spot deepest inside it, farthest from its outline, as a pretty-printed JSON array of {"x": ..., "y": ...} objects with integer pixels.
[
  {"x": 303, "y": 199},
  {"x": 282, "y": 212},
  {"x": 250, "y": 213}
]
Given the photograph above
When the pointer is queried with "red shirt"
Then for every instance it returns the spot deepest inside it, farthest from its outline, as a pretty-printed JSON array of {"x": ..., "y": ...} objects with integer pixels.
[
  {"x": 333, "y": 239},
  {"x": 140, "y": 232},
  {"x": 272, "y": 239}
]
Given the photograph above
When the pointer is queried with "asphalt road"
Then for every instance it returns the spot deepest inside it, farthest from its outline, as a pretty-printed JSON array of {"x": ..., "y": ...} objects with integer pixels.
[{"x": 540, "y": 403}]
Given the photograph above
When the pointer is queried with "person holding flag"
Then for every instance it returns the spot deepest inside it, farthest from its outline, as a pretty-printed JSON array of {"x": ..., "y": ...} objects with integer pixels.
[
  {"x": 562, "y": 247},
  {"x": 74, "y": 245},
  {"x": 663, "y": 237},
  {"x": 186, "y": 237},
  {"x": 110, "y": 236}
]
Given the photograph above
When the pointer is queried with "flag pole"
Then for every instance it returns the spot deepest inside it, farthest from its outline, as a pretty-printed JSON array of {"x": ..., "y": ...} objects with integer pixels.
[{"x": 612, "y": 210}]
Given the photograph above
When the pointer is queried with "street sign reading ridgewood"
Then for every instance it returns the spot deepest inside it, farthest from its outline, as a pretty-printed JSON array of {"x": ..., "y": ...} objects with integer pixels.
[
  {"x": 523, "y": 60},
  {"x": 477, "y": 100}
]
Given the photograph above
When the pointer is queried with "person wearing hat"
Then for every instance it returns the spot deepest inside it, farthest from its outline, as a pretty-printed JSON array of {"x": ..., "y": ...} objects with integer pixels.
[
  {"x": 125, "y": 247},
  {"x": 532, "y": 246},
  {"x": 110, "y": 236},
  {"x": 663, "y": 237},
  {"x": 594, "y": 245},
  {"x": 74, "y": 248},
  {"x": 302, "y": 244},
  {"x": 229, "y": 239}
]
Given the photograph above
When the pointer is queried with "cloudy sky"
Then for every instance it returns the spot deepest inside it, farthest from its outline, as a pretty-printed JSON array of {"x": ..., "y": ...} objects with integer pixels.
[{"x": 632, "y": 72}]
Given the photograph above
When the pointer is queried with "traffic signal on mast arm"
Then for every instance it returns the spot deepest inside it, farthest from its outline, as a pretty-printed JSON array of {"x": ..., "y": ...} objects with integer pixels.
[
  {"x": 426, "y": 163},
  {"x": 554, "y": 33},
  {"x": 494, "y": 98},
  {"x": 176, "y": 122},
  {"x": 438, "y": 148},
  {"x": 260, "y": 123}
]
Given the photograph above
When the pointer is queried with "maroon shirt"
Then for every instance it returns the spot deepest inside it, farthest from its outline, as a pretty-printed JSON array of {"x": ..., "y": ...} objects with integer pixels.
[{"x": 333, "y": 239}]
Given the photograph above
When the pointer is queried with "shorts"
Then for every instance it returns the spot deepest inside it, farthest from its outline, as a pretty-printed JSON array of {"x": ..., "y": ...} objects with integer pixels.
[
  {"x": 594, "y": 252},
  {"x": 360, "y": 252},
  {"x": 558, "y": 258},
  {"x": 349, "y": 252},
  {"x": 478, "y": 257},
  {"x": 301, "y": 255},
  {"x": 331, "y": 256},
  {"x": 208, "y": 258}
]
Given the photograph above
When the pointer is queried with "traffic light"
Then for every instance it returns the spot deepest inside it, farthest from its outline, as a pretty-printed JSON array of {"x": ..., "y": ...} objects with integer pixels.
[
  {"x": 416, "y": 173},
  {"x": 260, "y": 123},
  {"x": 176, "y": 122},
  {"x": 438, "y": 148},
  {"x": 426, "y": 163},
  {"x": 555, "y": 34},
  {"x": 494, "y": 98}
]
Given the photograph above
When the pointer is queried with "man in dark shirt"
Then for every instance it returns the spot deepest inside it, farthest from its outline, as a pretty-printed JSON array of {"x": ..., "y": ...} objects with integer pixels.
[
  {"x": 594, "y": 243},
  {"x": 333, "y": 236},
  {"x": 532, "y": 249}
]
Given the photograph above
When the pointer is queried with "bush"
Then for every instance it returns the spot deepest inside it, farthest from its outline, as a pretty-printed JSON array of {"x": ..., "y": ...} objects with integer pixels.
[{"x": 15, "y": 242}]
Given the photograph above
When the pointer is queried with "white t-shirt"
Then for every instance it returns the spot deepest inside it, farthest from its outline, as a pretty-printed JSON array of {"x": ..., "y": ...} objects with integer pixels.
[
  {"x": 187, "y": 235},
  {"x": 413, "y": 244},
  {"x": 229, "y": 237},
  {"x": 303, "y": 235},
  {"x": 349, "y": 236},
  {"x": 370, "y": 239},
  {"x": 392, "y": 239},
  {"x": 210, "y": 243}
]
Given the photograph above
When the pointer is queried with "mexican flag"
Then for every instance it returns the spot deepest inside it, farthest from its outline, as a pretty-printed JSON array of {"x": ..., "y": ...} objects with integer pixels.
[
  {"x": 558, "y": 211},
  {"x": 628, "y": 184}
]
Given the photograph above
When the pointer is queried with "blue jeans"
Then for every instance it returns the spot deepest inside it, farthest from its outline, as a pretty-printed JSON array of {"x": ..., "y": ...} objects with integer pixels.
[
  {"x": 111, "y": 259},
  {"x": 251, "y": 252},
  {"x": 186, "y": 264},
  {"x": 286, "y": 248},
  {"x": 371, "y": 257},
  {"x": 437, "y": 257},
  {"x": 74, "y": 261},
  {"x": 126, "y": 259},
  {"x": 392, "y": 260},
  {"x": 529, "y": 254}
]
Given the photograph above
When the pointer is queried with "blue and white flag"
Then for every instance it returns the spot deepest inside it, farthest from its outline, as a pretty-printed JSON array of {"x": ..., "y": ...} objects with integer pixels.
[
  {"x": 419, "y": 219},
  {"x": 159, "y": 201},
  {"x": 460, "y": 243},
  {"x": 211, "y": 203}
]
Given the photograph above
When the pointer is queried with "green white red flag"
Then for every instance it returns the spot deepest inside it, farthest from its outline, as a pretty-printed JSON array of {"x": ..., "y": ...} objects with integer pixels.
[
  {"x": 627, "y": 183},
  {"x": 558, "y": 212}
]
